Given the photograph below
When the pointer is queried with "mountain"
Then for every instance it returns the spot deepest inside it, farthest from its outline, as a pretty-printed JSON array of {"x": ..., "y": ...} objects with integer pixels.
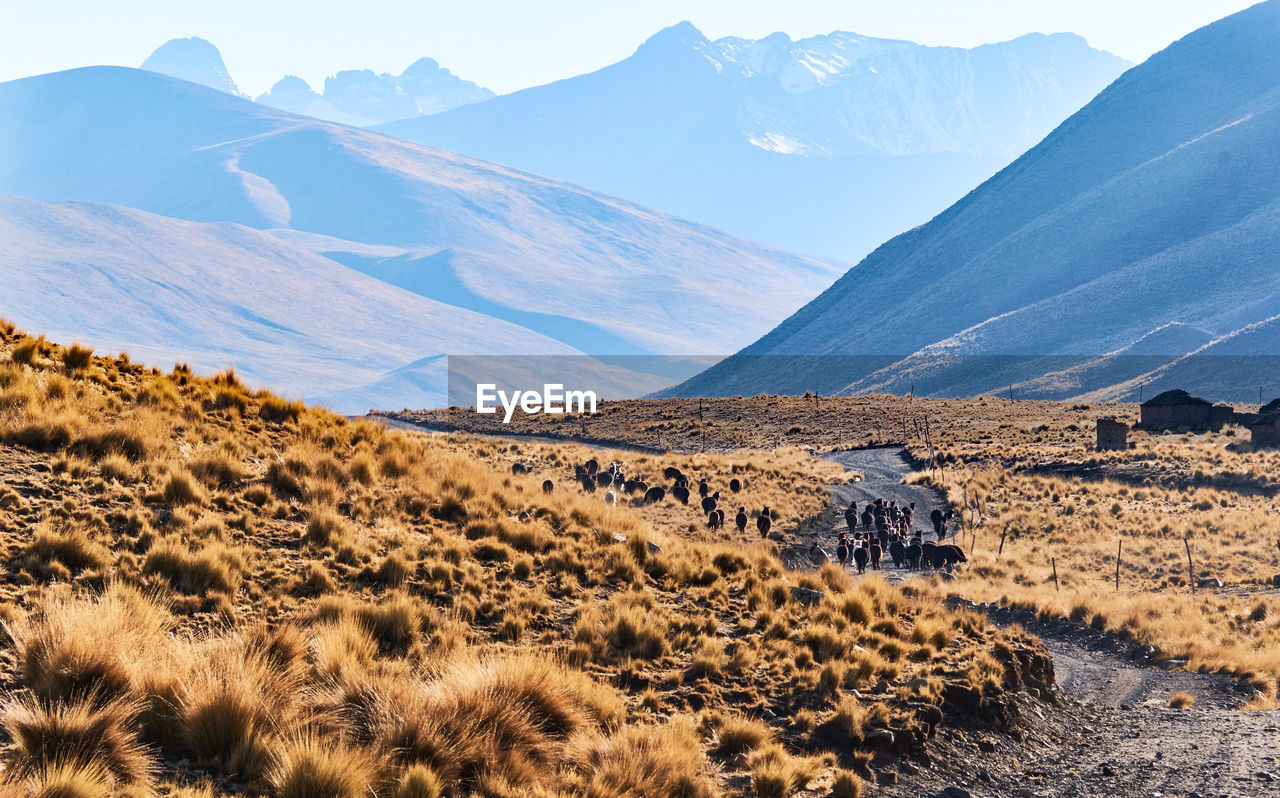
[
  {"x": 1157, "y": 203},
  {"x": 591, "y": 272},
  {"x": 362, "y": 97},
  {"x": 827, "y": 145},
  {"x": 223, "y": 295},
  {"x": 192, "y": 59}
]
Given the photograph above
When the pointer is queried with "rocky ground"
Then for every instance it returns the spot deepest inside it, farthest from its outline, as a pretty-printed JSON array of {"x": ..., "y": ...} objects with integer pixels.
[{"x": 1106, "y": 729}]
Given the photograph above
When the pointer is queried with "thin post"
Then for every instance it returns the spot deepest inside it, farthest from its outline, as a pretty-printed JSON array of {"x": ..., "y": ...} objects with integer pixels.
[
  {"x": 1054, "y": 563},
  {"x": 1191, "y": 571},
  {"x": 1119, "y": 549},
  {"x": 1000, "y": 551}
]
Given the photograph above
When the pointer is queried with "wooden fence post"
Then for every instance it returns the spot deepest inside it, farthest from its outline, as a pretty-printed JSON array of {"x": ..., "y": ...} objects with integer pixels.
[
  {"x": 1191, "y": 571},
  {"x": 1053, "y": 561},
  {"x": 1119, "y": 549}
]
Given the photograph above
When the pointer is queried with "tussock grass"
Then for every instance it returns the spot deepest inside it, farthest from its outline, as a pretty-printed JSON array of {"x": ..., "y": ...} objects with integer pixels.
[
  {"x": 209, "y": 568},
  {"x": 73, "y": 548},
  {"x": 181, "y": 488},
  {"x": 77, "y": 358},
  {"x": 88, "y": 734},
  {"x": 737, "y": 734},
  {"x": 308, "y": 766},
  {"x": 293, "y": 603},
  {"x": 659, "y": 761},
  {"x": 73, "y": 647}
]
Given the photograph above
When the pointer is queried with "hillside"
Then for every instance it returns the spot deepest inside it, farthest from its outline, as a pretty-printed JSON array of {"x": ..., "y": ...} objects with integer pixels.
[
  {"x": 827, "y": 145},
  {"x": 218, "y": 296},
  {"x": 1157, "y": 203},
  {"x": 212, "y": 591},
  {"x": 594, "y": 273}
]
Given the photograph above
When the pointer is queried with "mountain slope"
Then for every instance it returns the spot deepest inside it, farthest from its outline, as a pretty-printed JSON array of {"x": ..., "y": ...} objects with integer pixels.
[
  {"x": 829, "y": 144},
  {"x": 1158, "y": 202},
  {"x": 223, "y": 295},
  {"x": 654, "y": 284}
]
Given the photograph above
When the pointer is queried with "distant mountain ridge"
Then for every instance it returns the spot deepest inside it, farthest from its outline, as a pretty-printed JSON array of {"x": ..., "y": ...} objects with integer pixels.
[
  {"x": 358, "y": 97},
  {"x": 362, "y": 97},
  {"x": 826, "y": 145},
  {"x": 1157, "y": 204}
]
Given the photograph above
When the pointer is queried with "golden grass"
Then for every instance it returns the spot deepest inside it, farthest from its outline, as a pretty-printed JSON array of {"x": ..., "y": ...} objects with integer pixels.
[
  {"x": 290, "y": 603},
  {"x": 1078, "y": 528}
]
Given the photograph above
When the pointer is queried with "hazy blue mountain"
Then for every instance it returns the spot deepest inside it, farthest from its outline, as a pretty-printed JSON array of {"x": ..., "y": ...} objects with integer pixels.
[
  {"x": 828, "y": 145},
  {"x": 363, "y": 97},
  {"x": 1157, "y": 203},
  {"x": 594, "y": 273},
  {"x": 223, "y": 295},
  {"x": 192, "y": 59}
]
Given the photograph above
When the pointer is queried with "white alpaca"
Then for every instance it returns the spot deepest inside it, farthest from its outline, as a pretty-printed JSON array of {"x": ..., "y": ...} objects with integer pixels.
[{"x": 611, "y": 498}]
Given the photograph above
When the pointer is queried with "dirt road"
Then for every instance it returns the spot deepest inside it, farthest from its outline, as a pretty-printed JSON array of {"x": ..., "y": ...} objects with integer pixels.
[{"x": 883, "y": 469}]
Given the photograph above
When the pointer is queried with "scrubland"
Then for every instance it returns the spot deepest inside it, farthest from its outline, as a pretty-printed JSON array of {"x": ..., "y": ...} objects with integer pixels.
[
  {"x": 1178, "y": 514},
  {"x": 824, "y": 423},
  {"x": 210, "y": 590},
  {"x": 1034, "y": 495}
]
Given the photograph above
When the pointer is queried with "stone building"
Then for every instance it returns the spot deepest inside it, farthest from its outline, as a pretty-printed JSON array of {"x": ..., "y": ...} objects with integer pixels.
[
  {"x": 1265, "y": 429},
  {"x": 1113, "y": 435},
  {"x": 1177, "y": 409}
]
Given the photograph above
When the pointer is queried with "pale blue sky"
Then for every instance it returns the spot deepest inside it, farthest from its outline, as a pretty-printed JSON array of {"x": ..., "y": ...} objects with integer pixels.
[{"x": 512, "y": 44}]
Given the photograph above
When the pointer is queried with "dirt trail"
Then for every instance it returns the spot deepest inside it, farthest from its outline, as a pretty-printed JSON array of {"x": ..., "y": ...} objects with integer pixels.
[
  {"x": 1109, "y": 729},
  {"x": 883, "y": 469}
]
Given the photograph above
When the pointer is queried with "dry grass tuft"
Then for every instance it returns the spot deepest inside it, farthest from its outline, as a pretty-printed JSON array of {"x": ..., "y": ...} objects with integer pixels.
[
  {"x": 1182, "y": 700},
  {"x": 777, "y": 774},
  {"x": 74, "y": 647},
  {"x": 89, "y": 733},
  {"x": 657, "y": 761},
  {"x": 77, "y": 358},
  {"x": 309, "y": 766},
  {"x": 847, "y": 784}
]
